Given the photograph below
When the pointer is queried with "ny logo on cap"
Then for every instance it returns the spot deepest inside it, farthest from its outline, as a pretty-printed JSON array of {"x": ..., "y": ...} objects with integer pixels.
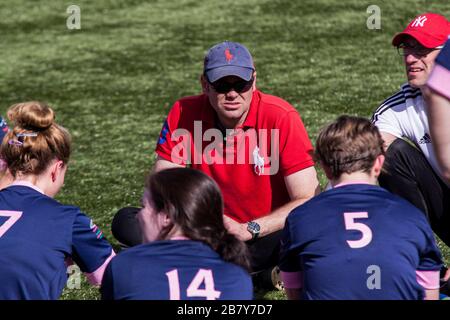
[
  {"x": 419, "y": 21},
  {"x": 228, "y": 55}
]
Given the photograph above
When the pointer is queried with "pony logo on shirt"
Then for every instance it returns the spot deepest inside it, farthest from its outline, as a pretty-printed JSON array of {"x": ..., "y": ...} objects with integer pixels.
[
  {"x": 95, "y": 229},
  {"x": 228, "y": 55},
  {"x": 258, "y": 161}
]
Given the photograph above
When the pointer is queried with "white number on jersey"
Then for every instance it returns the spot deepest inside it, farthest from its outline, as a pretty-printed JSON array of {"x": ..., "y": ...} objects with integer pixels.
[
  {"x": 350, "y": 224},
  {"x": 13, "y": 217},
  {"x": 203, "y": 276}
]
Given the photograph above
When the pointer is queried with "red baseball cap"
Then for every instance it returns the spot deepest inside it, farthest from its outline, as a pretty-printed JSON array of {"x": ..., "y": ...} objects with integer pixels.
[{"x": 430, "y": 29}]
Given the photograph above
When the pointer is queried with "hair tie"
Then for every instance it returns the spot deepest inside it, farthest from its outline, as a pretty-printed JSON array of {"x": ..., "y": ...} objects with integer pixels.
[
  {"x": 29, "y": 134},
  {"x": 19, "y": 143}
]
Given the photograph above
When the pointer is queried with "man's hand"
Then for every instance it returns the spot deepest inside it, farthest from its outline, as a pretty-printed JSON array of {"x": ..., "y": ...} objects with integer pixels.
[
  {"x": 236, "y": 228},
  {"x": 447, "y": 275}
]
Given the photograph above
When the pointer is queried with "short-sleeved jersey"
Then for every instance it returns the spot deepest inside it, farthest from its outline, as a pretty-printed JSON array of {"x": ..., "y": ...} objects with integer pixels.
[
  {"x": 439, "y": 79},
  {"x": 174, "y": 269},
  {"x": 404, "y": 115},
  {"x": 359, "y": 242},
  {"x": 248, "y": 163},
  {"x": 37, "y": 235}
]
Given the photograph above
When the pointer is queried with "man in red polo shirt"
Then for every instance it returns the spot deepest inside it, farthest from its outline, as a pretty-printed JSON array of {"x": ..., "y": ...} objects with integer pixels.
[{"x": 252, "y": 144}]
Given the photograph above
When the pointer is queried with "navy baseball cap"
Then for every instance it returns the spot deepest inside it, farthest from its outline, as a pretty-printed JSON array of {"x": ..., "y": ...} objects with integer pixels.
[{"x": 228, "y": 59}]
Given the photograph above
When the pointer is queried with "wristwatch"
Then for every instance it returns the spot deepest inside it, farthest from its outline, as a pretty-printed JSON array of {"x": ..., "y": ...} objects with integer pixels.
[{"x": 254, "y": 228}]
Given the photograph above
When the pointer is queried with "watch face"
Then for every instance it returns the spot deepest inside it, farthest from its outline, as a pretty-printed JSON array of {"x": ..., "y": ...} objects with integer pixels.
[{"x": 253, "y": 227}]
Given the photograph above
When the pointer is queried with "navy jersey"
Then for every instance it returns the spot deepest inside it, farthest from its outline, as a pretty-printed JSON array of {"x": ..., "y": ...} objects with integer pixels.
[
  {"x": 175, "y": 270},
  {"x": 359, "y": 242},
  {"x": 444, "y": 56},
  {"x": 3, "y": 128},
  {"x": 37, "y": 237}
]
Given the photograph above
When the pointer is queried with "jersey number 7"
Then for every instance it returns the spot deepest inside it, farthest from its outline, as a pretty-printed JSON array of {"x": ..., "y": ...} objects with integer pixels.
[
  {"x": 203, "y": 276},
  {"x": 13, "y": 217}
]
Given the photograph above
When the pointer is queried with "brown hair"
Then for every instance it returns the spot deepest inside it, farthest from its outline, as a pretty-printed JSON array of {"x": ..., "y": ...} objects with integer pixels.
[
  {"x": 193, "y": 202},
  {"x": 349, "y": 144},
  {"x": 35, "y": 139}
]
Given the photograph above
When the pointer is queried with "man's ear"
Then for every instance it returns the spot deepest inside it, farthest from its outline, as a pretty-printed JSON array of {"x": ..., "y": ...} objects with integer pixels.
[
  {"x": 378, "y": 165},
  {"x": 254, "y": 81}
]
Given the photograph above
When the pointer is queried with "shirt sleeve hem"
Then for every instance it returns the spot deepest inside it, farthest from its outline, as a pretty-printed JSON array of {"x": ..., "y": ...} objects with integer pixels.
[{"x": 298, "y": 167}]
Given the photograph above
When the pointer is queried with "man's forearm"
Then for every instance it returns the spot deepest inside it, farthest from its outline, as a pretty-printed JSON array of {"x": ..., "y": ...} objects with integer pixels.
[{"x": 276, "y": 219}]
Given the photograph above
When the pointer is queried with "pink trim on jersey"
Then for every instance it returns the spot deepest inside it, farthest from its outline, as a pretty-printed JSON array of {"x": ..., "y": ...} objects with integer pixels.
[
  {"x": 26, "y": 184},
  {"x": 292, "y": 280},
  {"x": 95, "y": 278},
  {"x": 428, "y": 279},
  {"x": 350, "y": 182},
  {"x": 179, "y": 238},
  {"x": 439, "y": 80}
]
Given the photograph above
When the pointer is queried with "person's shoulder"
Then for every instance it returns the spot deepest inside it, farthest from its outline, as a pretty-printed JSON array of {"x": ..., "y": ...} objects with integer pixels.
[
  {"x": 153, "y": 250},
  {"x": 274, "y": 103},
  {"x": 397, "y": 101},
  {"x": 402, "y": 209},
  {"x": 34, "y": 199},
  {"x": 61, "y": 208},
  {"x": 331, "y": 198},
  {"x": 311, "y": 206},
  {"x": 443, "y": 58},
  {"x": 398, "y": 203},
  {"x": 197, "y": 101},
  {"x": 190, "y": 108},
  {"x": 405, "y": 92}
]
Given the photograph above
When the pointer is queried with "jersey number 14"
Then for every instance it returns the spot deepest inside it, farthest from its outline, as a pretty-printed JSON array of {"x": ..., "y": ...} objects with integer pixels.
[{"x": 203, "y": 276}]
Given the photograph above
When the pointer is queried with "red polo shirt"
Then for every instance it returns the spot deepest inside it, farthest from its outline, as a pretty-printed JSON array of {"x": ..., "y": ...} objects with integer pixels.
[{"x": 249, "y": 164}]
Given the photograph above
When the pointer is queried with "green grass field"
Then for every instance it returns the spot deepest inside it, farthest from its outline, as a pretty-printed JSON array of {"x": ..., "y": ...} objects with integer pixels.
[{"x": 112, "y": 82}]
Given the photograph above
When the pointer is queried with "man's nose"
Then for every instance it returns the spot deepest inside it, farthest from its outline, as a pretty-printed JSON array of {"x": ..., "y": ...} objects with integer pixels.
[
  {"x": 232, "y": 94},
  {"x": 411, "y": 58}
]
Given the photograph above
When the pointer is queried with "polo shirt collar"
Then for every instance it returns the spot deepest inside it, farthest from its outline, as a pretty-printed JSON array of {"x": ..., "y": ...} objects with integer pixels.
[
  {"x": 250, "y": 121},
  {"x": 208, "y": 113}
]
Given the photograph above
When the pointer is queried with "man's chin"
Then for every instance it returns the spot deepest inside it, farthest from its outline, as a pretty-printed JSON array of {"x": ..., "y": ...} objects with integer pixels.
[
  {"x": 232, "y": 114},
  {"x": 416, "y": 83}
]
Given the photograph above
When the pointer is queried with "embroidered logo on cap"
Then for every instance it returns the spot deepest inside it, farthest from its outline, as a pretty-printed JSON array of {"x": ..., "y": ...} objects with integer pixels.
[
  {"x": 228, "y": 55},
  {"x": 419, "y": 21}
]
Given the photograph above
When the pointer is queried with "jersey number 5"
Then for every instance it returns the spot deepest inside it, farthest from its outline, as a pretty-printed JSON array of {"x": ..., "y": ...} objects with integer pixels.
[
  {"x": 193, "y": 290},
  {"x": 350, "y": 224},
  {"x": 13, "y": 217}
]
